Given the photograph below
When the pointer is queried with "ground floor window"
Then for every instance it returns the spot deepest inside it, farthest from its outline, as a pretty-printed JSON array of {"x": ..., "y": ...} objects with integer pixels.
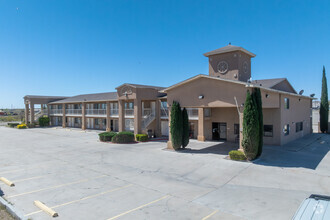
[
  {"x": 299, "y": 126},
  {"x": 286, "y": 129},
  {"x": 236, "y": 129},
  {"x": 114, "y": 125},
  {"x": 268, "y": 130}
]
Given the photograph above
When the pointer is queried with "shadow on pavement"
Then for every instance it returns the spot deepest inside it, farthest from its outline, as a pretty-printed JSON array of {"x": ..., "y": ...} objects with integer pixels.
[{"x": 306, "y": 152}]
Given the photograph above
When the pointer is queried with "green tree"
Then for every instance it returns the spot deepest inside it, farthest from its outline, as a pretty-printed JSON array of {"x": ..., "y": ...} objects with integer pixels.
[
  {"x": 185, "y": 128},
  {"x": 324, "y": 107},
  {"x": 257, "y": 94},
  {"x": 176, "y": 125},
  {"x": 250, "y": 139}
]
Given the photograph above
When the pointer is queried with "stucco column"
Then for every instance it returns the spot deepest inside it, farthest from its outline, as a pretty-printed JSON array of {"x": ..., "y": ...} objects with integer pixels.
[
  {"x": 240, "y": 130},
  {"x": 201, "y": 123},
  {"x": 157, "y": 115},
  {"x": 83, "y": 116},
  {"x": 63, "y": 117},
  {"x": 137, "y": 116},
  {"x": 108, "y": 117},
  {"x": 169, "y": 142},
  {"x": 32, "y": 112},
  {"x": 121, "y": 116},
  {"x": 27, "y": 113}
]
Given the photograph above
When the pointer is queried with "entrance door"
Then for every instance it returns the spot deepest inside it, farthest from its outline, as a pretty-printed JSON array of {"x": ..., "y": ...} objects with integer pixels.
[{"x": 219, "y": 131}]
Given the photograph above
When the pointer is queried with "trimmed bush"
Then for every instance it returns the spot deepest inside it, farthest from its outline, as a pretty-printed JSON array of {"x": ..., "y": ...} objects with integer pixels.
[
  {"x": 141, "y": 137},
  {"x": 176, "y": 125},
  {"x": 31, "y": 125},
  {"x": 43, "y": 121},
  {"x": 106, "y": 136},
  {"x": 22, "y": 126},
  {"x": 185, "y": 128},
  {"x": 250, "y": 141},
  {"x": 237, "y": 155},
  {"x": 12, "y": 124},
  {"x": 123, "y": 137}
]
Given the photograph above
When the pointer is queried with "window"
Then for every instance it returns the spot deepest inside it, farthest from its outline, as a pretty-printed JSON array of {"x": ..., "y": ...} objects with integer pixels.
[
  {"x": 96, "y": 121},
  {"x": 207, "y": 112},
  {"x": 129, "y": 105},
  {"x": 77, "y": 120},
  {"x": 104, "y": 122},
  {"x": 164, "y": 104},
  {"x": 268, "y": 130},
  {"x": 59, "y": 106},
  {"x": 236, "y": 129},
  {"x": 286, "y": 129},
  {"x": 286, "y": 103},
  {"x": 299, "y": 126},
  {"x": 96, "y": 106}
]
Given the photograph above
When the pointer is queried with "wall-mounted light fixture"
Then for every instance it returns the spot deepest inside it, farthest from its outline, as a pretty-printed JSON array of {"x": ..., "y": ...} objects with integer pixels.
[
  {"x": 201, "y": 97},
  {"x": 267, "y": 95}
]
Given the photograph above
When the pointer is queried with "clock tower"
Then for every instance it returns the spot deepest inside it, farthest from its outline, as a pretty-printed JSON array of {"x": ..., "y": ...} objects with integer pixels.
[{"x": 230, "y": 62}]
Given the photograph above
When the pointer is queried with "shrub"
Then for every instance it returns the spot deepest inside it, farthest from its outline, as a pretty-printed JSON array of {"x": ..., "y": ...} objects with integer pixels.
[
  {"x": 123, "y": 137},
  {"x": 176, "y": 125},
  {"x": 250, "y": 140},
  {"x": 237, "y": 155},
  {"x": 22, "y": 126},
  {"x": 185, "y": 128},
  {"x": 106, "y": 136},
  {"x": 31, "y": 125},
  {"x": 141, "y": 137},
  {"x": 12, "y": 124},
  {"x": 43, "y": 121}
]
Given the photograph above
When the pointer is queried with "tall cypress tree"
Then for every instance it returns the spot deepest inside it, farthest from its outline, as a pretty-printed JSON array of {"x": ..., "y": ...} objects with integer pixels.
[
  {"x": 257, "y": 94},
  {"x": 176, "y": 125},
  {"x": 185, "y": 128},
  {"x": 250, "y": 139},
  {"x": 324, "y": 106}
]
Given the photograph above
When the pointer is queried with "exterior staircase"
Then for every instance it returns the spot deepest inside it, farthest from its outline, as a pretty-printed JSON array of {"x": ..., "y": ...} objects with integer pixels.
[{"x": 147, "y": 120}]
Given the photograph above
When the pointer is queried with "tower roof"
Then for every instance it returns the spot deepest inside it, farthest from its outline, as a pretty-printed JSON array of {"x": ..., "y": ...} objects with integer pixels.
[{"x": 228, "y": 48}]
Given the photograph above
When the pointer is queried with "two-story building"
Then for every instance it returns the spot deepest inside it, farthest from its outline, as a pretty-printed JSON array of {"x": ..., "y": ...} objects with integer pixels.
[{"x": 215, "y": 103}]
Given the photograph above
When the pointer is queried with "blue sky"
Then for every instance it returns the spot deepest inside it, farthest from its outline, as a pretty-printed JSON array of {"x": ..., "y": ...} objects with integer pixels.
[{"x": 70, "y": 47}]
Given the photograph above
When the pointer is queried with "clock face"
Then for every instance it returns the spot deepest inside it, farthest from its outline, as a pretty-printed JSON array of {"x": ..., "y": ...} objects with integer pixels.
[
  {"x": 245, "y": 67},
  {"x": 126, "y": 90},
  {"x": 222, "y": 67}
]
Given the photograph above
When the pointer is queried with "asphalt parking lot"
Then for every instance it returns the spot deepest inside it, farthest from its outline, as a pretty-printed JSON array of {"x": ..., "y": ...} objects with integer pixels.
[{"x": 81, "y": 178}]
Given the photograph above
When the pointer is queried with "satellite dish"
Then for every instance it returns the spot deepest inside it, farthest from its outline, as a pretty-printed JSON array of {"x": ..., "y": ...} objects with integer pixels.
[
  {"x": 312, "y": 95},
  {"x": 301, "y": 92}
]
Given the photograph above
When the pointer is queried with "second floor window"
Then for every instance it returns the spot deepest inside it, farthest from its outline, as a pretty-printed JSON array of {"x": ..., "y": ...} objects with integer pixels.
[
  {"x": 268, "y": 130},
  {"x": 286, "y": 103}
]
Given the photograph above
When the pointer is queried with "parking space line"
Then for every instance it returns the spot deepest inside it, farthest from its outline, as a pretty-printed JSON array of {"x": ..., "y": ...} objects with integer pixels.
[
  {"x": 31, "y": 178},
  {"x": 210, "y": 215},
  {"x": 137, "y": 208},
  {"x": 54, "y": 187},
  {"x": 84, "y": 198}
]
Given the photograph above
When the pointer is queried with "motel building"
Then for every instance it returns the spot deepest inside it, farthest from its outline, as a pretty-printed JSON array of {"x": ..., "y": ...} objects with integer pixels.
[{"x": 215, "y": 104}]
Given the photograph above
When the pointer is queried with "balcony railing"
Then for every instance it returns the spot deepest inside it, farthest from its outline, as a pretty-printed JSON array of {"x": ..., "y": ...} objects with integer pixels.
[
  {"x": 56, "y": 111},
  {"x": 129, "y": 112},
  {"x": 114, "y": 112},
  {"x": 164, "y": 113},
  {"x": 96, "y": 111},
  {"x": 73, "y": 111},
  {"x": 147, "y": 111},
  {"x": 192, "y": 113}
]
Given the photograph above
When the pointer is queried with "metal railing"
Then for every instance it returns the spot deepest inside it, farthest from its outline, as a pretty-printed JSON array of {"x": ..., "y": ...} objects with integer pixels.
[
  {"x": 192, "y": 113},
  {"x": 56, "y": 111},
  {"x": 96, "y": 111},
  {"x": 114, "y": 112},
  {"x": 164, "y": 113},
  {"x": 147, "y": 111},
  {"x": 129, "y": 112},
  {"x": 73, "y": 111}
]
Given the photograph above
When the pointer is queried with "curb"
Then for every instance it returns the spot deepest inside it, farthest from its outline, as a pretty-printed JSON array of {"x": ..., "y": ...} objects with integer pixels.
[{"x": 12, "y": 210}]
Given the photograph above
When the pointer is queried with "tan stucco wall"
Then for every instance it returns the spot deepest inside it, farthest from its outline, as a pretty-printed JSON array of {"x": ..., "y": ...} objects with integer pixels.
[{"x": 298, "y": 111}]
